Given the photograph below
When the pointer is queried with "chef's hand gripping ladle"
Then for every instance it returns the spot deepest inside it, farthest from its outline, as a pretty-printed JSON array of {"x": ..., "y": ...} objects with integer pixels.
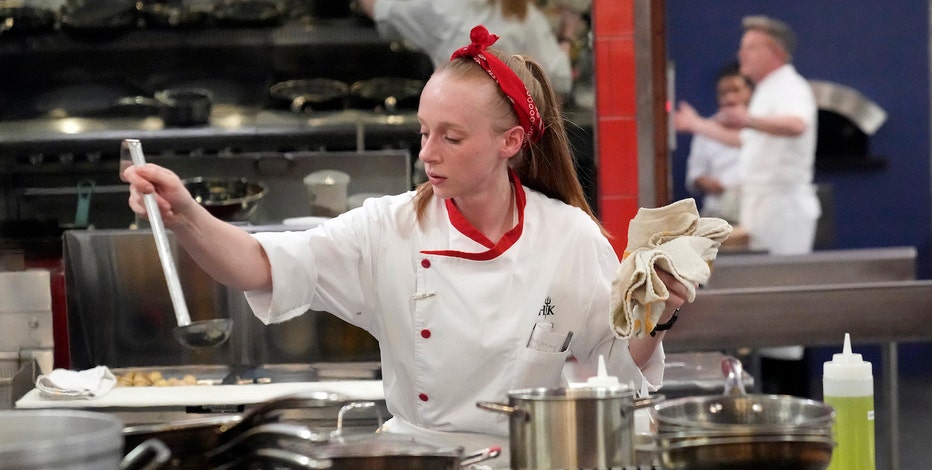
[{"x": 195, "y": 335}]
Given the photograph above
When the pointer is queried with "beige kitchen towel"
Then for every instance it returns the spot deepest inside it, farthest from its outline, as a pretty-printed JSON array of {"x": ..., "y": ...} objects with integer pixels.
[
  {"x": 673, "y": 238},
  {"x": 64, "y": 384}
]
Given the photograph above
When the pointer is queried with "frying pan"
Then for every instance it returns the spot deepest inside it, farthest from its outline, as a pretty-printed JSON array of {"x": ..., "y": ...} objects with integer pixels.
[
  {"x": 163, "y": 15},
  {"x": 197, "y": 440},
  {"x": 386, "y": 93},
  {"x": 98, "y": 19},
  {"x": 85, "y": 97},
  {"x": 313, "y": 94},
  {"x": 246, "y": 13},
  {"x": 178, "y": 107},
  {"x": 26, "y": 20}
]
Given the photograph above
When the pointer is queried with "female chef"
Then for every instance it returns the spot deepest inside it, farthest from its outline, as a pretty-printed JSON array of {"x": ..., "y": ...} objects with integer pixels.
[{"x": 484, "y": 279}]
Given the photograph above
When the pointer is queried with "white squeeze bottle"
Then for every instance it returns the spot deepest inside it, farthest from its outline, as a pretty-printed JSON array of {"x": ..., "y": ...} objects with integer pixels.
[{"x": 848, "y": 386}]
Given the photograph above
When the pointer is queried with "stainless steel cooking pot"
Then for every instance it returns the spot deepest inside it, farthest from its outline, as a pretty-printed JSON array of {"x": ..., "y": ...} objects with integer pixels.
[
  {"x": 70, "y": 440},
  {"x": 588, "y": 427}
]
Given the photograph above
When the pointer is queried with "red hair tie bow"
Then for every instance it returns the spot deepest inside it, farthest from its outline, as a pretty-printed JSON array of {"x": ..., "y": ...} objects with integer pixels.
[{"x": 528, "y": 115}]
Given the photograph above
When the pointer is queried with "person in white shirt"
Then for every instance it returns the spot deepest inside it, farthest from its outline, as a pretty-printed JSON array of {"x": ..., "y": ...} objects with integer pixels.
[
  {"x": 712, "y": 168},
  {"x": 437, "y": 27},
  {"x": 453, "y": 277},
  {"x": 779, "y": 207}
]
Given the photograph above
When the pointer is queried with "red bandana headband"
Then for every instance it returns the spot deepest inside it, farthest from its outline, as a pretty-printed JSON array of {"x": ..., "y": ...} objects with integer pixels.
[{"x": 507, "y": 80}]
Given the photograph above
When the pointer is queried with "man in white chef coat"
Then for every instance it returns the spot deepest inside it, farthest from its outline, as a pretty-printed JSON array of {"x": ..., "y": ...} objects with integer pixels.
[{"x": 779, "y": 207}]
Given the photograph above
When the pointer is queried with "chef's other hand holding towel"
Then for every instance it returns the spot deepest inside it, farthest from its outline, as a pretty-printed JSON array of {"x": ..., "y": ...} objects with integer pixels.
[
  {"x": 672, "y": 238},
  {"x": 63, "y": 384}
]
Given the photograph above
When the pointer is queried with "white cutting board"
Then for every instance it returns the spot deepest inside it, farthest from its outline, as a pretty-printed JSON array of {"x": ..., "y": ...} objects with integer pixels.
[{"x": 197, "y": 395}]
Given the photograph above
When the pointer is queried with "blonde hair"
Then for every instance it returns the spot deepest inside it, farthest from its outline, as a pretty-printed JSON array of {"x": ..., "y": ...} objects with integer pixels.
[{"x": 546, "y": 166}]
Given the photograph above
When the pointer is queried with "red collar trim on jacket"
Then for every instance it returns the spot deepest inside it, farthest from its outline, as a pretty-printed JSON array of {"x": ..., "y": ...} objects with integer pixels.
[{"x": 461, "y": 224}]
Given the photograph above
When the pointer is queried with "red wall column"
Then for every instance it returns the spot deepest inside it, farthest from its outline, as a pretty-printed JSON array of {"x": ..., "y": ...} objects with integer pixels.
[{"x": 616, "y": 109}]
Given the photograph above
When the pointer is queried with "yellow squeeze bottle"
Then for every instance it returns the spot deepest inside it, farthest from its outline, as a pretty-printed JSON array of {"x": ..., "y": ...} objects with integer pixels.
[{"x": 848, "y": 386}]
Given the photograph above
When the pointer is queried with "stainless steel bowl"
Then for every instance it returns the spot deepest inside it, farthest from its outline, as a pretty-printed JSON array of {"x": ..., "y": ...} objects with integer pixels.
[
  {"x": 742, "y": 413},
  {"x": 739, "y": 432},
  {"x": 230, "y": 199}
]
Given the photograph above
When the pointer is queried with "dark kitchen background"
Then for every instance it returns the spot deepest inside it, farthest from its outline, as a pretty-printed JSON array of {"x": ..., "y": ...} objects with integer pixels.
[{"x": 79, "y": 76}]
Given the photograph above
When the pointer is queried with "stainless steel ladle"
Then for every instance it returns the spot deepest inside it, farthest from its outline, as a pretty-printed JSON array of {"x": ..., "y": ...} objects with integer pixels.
[{"x": 195, "y": 335}]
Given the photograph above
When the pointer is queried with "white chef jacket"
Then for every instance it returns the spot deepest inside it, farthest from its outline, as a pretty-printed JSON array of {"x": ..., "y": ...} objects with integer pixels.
[
  {"x": 453, "y": 330},
  {"x": 779, "y": 207},
  {"x": 712, "y": 158},
  {"x": 441, "y": 27}
]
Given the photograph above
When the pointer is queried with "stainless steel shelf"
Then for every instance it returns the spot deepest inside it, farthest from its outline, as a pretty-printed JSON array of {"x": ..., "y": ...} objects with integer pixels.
[
  {"x": 341, "y": 32},
  {"x": 875, "y": 312}
]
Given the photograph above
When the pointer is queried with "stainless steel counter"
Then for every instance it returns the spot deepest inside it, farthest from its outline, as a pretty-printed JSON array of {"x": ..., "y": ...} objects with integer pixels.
[
  {"x": 229, "y": 127},
  {"x": 810, "y": 315},
  {"x": 733, "y": 270}
]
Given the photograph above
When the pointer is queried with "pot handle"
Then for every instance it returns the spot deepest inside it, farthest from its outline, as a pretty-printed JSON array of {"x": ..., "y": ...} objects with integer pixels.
[
  {"x": 647, "y": 402},
  {"x": 503, "y": 408},
  {"x": 149, "y": 455},
  {"x": 356, "y": 405},
  {"x": 273, "y": 455},
  {"x": 268, "y": 431},
  {"x": 480, "y": 456}
]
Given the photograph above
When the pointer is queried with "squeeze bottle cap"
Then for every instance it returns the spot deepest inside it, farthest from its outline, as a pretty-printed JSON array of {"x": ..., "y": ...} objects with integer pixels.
[
  {"x": 603, "y": 379},
  {"x": 847, "y": 366}
]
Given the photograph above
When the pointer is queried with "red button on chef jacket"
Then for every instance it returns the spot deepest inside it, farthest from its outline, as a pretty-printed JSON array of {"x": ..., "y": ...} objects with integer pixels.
[
  {"x": 423, "y": 396},
  {"x": 425, "y": 333},
  {"x": 425, "y": 263}
]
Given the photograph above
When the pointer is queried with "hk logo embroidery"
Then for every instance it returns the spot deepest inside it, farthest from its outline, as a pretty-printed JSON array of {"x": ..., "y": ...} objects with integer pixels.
[{"x": 546, "y": 310}]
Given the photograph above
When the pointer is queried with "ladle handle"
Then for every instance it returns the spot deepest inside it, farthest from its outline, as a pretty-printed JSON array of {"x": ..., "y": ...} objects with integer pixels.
[{"x": 161, "y": 241}]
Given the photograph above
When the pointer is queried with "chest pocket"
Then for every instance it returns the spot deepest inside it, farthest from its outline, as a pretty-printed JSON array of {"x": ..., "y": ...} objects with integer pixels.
[{"x": 535, "y": 368}]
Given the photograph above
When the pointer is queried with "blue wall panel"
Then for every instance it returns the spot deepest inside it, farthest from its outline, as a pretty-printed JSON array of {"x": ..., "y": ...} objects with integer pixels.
[{"x": 879, "y": 48}]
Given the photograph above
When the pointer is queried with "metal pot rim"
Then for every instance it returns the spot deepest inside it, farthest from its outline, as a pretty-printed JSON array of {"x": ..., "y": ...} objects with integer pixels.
[
  {"x": 667, "y": 406},
  {"x": 571, "y": 394},
  {"x": 65, "y": 443}
]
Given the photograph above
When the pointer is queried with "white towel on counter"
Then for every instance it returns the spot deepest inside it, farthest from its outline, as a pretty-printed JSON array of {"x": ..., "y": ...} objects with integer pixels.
[
  {"x": 64, "y": 384},
  {"x": 673, "y": 238}
]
